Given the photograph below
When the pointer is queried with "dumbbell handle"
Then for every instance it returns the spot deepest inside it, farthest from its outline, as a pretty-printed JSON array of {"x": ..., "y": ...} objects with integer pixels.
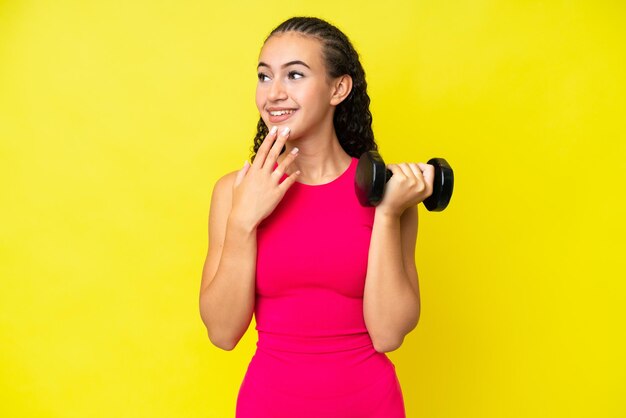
[
  {"x": 372, "y": 175},
  {"x": 444, "y": 179}
]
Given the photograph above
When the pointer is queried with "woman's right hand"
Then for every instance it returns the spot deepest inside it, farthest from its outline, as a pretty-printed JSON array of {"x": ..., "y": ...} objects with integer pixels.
[{"x": 256, "y": 190}]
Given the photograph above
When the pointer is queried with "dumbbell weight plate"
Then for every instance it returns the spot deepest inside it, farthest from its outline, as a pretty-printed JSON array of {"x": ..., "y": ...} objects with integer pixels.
[
  {"x": 371, "y": 177},
  {"x": 443, "y": 184}
]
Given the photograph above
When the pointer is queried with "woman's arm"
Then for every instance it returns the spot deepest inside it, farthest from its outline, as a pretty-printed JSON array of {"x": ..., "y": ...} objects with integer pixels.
[
  {"x": 227, "y": 290},
  {"x": 391, "y": 303},
  {"x": 241, "y": 200}
]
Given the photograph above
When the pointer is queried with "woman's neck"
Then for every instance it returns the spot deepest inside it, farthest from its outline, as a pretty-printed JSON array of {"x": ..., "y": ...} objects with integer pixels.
[{"x": 320, "y": 159}]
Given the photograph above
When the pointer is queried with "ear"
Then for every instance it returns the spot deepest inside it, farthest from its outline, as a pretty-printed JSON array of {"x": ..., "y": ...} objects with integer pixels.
[{"x": 342, "y": 87}]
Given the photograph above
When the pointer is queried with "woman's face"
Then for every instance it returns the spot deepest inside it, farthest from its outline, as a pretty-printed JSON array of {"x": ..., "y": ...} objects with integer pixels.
[{"x": 293, "y": 89}]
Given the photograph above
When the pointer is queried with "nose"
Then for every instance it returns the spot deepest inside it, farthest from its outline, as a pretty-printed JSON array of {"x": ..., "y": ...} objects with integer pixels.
[{"x": 277, "y": 91}]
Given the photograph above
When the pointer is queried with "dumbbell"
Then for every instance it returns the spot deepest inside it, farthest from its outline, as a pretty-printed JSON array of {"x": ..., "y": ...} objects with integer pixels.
[{"x": 372, "y": 175}]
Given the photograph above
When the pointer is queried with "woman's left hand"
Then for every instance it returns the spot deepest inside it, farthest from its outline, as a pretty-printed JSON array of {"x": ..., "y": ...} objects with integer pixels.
[{"x": 410, "y": 184}]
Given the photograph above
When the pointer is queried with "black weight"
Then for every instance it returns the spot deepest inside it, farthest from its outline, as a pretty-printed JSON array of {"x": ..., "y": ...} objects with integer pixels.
[
  {"x": 370, "y": 179},
  {"x": 372, "y": 175},
  {"x": 443, "y": 184}
]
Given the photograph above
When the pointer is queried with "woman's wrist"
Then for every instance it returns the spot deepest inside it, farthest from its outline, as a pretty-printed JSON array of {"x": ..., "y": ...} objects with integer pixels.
[
  {"x": 388, "y": 214},
  {"x": 241, "y": 222}
]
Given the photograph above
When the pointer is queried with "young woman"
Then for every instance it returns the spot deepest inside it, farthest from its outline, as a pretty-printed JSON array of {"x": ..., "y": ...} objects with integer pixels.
[{"x": 333, "y": 285}]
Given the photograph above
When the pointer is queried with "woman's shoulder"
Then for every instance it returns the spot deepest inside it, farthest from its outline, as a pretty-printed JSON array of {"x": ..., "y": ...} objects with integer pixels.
[
  {"x": 224, "y": 184},
  {"x": 222, "y": 194},
  {"x": 227, "y": 179}
]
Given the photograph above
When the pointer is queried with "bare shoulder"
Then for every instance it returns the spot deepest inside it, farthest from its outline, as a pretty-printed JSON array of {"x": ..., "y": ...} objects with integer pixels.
[
  {"x": 224, "y": 185},
  {"x": 221, "y": 197},
  {"x": 221, "y": 203}
]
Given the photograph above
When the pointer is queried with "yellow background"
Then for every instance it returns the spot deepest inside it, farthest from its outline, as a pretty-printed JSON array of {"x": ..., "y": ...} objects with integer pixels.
[{"x": 117, "y": 117}]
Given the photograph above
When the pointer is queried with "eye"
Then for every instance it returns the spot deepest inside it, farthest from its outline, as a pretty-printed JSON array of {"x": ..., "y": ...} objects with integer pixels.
[
  {"x": 262, "y": 76},
  {"x": 295, "y": 75}
]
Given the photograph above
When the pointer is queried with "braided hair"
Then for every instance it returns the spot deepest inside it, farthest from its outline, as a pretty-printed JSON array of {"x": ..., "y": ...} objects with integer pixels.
[{"x": 352, "y": 119}]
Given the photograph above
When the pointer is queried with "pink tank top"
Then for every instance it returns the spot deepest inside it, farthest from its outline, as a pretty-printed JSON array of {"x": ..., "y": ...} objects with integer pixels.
[
  {"x": 311, "y": 266},
  {"x": 314, "y": 356}
]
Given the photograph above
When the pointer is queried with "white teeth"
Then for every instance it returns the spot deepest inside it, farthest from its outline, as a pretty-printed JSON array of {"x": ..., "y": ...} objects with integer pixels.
[{"x": 281, "y": 112}]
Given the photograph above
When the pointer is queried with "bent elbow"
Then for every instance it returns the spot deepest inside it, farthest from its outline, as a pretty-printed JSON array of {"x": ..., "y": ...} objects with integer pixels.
[
  {"x": 224, "y": 344},
  {"x": 387, "y": 346}
]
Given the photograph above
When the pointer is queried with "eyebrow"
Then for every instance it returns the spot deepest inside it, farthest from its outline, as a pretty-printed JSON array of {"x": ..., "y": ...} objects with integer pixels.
[{"x": 262, "y": 64}]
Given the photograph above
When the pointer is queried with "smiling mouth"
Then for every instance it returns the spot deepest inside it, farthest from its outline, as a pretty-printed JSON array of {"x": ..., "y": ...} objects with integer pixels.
[{"x": 281, "y": 112}]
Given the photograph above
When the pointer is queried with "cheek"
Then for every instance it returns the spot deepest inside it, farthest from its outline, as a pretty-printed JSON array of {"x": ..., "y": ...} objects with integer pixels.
[
  {"x": 317, "y": 96},
  {"x": 315, "y": 103},
  {"x": 260, "y": 99}
]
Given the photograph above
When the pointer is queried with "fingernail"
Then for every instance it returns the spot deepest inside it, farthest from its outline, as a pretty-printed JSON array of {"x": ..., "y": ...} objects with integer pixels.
[
  {"x": 295, "y": 150},
  {"x": 274, "y": 129},
  {"x": 285, "y": 131}
]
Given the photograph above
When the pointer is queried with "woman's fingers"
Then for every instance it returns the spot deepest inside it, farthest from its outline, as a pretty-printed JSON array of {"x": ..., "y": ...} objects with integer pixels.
[
  {"x": 282, "y": 167},
  {"x": 289, "y": 181},
  {"x": 265, "y": 147},
  {"x": 415, "y": 177},
  {"x": 406, "y": 170},
  {"x": 413, "y": 172},
  {"x": 396, "y": 170},
  {"x": 241, "y": 174},
  {"x": 276, "y": 149},
  {"x": 421, "y": 184},
  {"x": 428, "y": 174},
  {"x": 417, "y": 172}
]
